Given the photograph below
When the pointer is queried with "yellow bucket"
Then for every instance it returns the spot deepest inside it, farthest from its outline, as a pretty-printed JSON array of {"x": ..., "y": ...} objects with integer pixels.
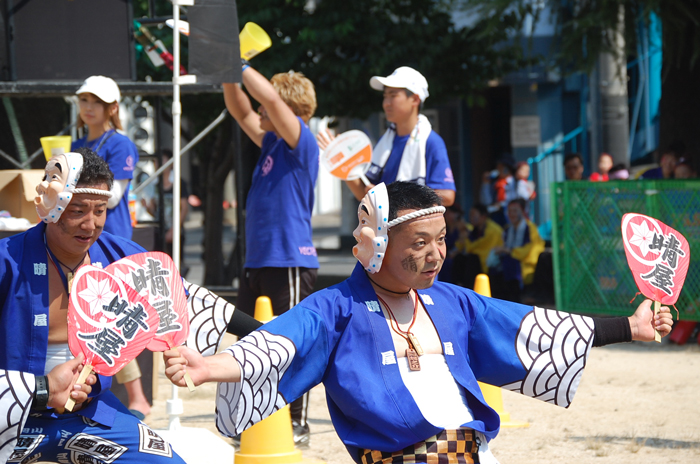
[
  {"x": 254, "y": 40},
  {"x": 55, "y": 145}
]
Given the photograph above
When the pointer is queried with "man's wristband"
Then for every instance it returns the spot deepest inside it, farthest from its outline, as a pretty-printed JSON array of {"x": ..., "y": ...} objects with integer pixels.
[
  {"x": 609, "y": 330},
  {"x": 245, "y": 63},
  {"x": 41, "y": 394}
]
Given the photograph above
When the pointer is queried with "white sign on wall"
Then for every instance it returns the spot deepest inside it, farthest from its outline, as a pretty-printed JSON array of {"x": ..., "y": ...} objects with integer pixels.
[{"x": 525, "y": 131}]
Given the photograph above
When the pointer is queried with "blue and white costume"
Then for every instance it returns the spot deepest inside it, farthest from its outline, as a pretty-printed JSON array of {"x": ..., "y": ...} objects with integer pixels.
[
  {"x": 103, "y": 429},
  {"x": 339, "y": 336}
]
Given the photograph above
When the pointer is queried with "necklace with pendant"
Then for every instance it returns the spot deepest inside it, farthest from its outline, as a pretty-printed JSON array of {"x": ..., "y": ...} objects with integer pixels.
[
  {"x": 67, "y": 278},
  {"x": 414, "y": 349}
]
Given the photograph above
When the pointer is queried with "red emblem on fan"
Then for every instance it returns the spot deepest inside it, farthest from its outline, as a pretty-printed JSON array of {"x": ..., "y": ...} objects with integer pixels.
[
  {"x": 107, "y": 320},
  {"x": 657, "y": 255}
]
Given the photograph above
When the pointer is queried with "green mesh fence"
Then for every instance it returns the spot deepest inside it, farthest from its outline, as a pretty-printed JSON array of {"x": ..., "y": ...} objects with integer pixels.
[{"x": 590, "y": 268}]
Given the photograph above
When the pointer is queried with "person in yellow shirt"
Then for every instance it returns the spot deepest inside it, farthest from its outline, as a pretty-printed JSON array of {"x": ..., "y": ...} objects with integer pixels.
[
  {"x": 518, "y": 255},
  {"x": 475, "y": 246}
]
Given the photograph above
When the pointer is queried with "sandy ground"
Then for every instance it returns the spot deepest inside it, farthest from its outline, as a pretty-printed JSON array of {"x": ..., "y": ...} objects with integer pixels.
[{"x": 636, "y": 403}]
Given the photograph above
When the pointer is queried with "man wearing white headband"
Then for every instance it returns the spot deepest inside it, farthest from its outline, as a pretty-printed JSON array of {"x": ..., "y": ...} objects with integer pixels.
[
  {"x": 400, "y": 353},
  {"x": 410, "y": 150},
  {"x": 37, "y": 370}
]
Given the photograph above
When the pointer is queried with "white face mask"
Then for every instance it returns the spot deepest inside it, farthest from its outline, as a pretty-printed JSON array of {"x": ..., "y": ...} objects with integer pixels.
[
  {"x": 371, "y": 232},
  {"x": 55, "y": 192}
]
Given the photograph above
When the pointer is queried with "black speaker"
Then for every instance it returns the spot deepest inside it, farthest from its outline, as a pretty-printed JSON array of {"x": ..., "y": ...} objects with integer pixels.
[
  {"x": 67, "y": 40},
  {"x": 215, "y": 53}
]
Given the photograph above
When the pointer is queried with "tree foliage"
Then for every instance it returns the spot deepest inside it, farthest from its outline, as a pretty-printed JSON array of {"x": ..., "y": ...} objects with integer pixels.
[
  {"x": 341, "y": 45},
  {"x": 585, "y": 28}
]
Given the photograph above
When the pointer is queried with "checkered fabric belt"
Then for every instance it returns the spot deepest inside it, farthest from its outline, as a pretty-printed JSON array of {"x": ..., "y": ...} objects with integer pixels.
[{"x": 447, "y": 447}]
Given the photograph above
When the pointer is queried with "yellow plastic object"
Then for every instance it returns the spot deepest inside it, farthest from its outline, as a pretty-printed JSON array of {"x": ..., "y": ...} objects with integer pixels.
[
  {"x": 254, "y": 40},
  {"x": 263, "y": 309},
  {"x": 493, "y": 395},
  {"x": 270, "y": 441},
  {"x": 55, "y": 145}
]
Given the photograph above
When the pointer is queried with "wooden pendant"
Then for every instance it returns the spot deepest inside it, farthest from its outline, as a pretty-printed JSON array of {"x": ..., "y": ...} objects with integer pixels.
[
  {"x": 416, "y": 345},
  {"x": 413, "y": 361},
  {"x": 69, "y": 278}
]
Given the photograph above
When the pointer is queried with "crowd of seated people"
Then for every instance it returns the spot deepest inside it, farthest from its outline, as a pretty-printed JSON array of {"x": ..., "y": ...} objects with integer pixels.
[{"x": 499, "y": 238}]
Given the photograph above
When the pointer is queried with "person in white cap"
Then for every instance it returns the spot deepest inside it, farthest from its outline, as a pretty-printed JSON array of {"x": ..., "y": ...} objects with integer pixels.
[
  {"x": 98, "y": 102},
  {"x": 409, "y": 150},
  {"x": 400, "y": 353}
]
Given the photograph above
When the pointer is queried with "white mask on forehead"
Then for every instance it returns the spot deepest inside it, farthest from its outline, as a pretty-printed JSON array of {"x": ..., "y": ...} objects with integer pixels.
[
  {"x": 372, "y": 231},
  {"x": 56, "y": 191}
]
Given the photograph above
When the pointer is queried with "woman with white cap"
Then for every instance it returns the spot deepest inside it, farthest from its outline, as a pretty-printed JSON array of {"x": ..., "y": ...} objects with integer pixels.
[{"x": 98, "y": 101}]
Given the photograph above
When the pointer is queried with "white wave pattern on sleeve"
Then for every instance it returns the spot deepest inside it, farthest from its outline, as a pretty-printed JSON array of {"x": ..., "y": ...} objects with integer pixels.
[
  {"x": 263, "y": 358},
  {"x": 209, "y": 315},
  {"x": 553, "y": 346},
  {"x": 16, "y": 393}
]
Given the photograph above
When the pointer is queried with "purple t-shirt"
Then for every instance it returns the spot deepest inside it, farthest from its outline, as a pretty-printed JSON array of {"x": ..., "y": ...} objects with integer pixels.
[{"x": 280, "y": 203}]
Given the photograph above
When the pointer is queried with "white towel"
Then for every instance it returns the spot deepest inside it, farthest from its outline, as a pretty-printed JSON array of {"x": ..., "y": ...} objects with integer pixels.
[{"x": 412, "y": 167}]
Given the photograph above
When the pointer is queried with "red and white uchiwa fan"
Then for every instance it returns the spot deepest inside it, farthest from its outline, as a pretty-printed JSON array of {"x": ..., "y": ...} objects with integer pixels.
[
  {"x": 154, "y": 276},
  {"x": 108, "y": 321},
  {"x": 658, "y": 257}
]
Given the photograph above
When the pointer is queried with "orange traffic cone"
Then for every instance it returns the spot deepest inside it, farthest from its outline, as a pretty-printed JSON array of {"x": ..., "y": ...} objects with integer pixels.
[
  {"x": 493, "y": 395},
  {"x": 270, "y": 441}
]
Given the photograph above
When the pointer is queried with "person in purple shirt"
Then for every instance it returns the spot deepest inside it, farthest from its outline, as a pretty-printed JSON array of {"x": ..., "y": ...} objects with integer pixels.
[
  {"x": 409, "y": 150},
  {"x": 281, "y": 261}
]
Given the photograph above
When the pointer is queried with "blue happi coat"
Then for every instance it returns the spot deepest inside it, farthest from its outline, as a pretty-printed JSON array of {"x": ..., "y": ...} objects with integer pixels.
[
  {"x": 339, "y": 336},
  {"x": 24, "y": 331}
]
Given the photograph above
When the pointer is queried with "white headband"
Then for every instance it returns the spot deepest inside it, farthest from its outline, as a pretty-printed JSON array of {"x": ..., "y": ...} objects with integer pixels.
[
  {"x": 379, "y": 198},
  {"x": 75, "y": 167}
]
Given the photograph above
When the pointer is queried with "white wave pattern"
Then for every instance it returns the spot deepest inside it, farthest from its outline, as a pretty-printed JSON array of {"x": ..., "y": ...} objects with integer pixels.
[
  {"x": 209, "y": 315},
  {"x": 16, "y": 393},
  {"x": 553, "y": 346},
  {"x": 263, "y": 358}
]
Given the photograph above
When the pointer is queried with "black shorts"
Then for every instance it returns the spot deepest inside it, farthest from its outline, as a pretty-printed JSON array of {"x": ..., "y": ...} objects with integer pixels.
[{"x": 285, "y": 286}]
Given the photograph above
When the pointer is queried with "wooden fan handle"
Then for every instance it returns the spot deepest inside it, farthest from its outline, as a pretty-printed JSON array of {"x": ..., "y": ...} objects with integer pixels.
[
  {"x": 87, "y": 370},
  {"x": 657, "y": 335}
]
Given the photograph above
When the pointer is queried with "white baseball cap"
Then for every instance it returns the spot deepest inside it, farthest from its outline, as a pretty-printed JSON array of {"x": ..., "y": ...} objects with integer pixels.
[
  {"x": 403, "y": 78},
  {"x": 102, "y": 87}
]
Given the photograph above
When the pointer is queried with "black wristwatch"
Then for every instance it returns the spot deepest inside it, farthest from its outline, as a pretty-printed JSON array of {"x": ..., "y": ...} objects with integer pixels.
[{"x": 41, "y": 394}]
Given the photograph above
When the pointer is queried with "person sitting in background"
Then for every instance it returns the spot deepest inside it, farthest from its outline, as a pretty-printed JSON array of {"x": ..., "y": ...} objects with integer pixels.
[
  {"x": 474, "y": 248},
  {"x": 456, "y": 228},
  {"x": 573, "y": 166},
  {"x": 518, "y": 255},
  {"x": 605, "y": 163},
  {"x": 524, "y": 186},
  {"x": 684, "y": 170},
  {"x": 498, "y": 188},
  {"x": 669, "y": 159},
  {"x": 618, "y": 172}
]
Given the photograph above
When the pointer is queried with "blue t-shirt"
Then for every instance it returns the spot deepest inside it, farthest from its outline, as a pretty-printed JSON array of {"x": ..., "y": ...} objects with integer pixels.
[
  {"x": 122, "y": 155},
  {"x": 438, "y": 174},
  {"x": 280, "y": 203}
]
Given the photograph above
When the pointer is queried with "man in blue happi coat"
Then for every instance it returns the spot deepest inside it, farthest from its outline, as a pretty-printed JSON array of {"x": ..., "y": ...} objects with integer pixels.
[
  {"x": 399, "y": 353},
  {"x": 37, "y": 370}
]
